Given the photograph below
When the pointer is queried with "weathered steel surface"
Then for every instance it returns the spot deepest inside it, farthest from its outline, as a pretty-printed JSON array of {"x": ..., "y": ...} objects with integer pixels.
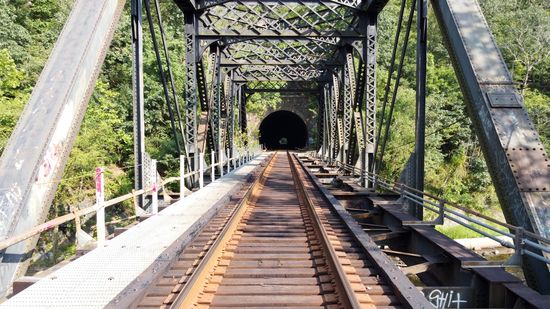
[
  {"x": 521, "y": 177},
  {"x": 34, "y": 158}
]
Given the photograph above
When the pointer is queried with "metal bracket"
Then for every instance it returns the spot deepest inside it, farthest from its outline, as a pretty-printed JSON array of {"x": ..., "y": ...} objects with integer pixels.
[
  {"x": 437, "y": 221},
  {"x": 503, "y": 99}
]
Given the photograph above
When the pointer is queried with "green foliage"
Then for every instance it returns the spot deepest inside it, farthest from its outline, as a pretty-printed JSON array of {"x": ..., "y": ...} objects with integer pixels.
[
  {"x": 12, "y": 99},
  {"x": 455, "y": 167}
]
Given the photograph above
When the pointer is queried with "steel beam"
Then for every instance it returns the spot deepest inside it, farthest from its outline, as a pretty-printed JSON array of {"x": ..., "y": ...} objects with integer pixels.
[
  {"x": 191, "y": 59},
  {"x": 420, "y": 134},
  {"x": 513, "y": 151},
  {"x": 348, "y": 107},
  {"x": 138, "y": 99},
  {"x": 34, "y": 158}
]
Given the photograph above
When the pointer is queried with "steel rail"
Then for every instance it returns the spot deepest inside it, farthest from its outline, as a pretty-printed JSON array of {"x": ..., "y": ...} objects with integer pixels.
[
  {"x": 402, "y": 286},
  {"x": 193, "y": 287},
  {"x": 348, "y": 297}
]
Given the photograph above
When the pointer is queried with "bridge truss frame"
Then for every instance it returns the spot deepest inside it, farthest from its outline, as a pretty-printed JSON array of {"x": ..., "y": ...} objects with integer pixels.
[{"x": 275, "y": 45}]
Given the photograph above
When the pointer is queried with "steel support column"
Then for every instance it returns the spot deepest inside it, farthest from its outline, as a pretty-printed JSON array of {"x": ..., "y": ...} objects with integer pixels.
[
  {"x": 216, "y": 106},
  {"x": 336, "y": 133},
  {"x": 348, "y": 108},
  {"x": 515, "y": 157},
  {"x": 369, "y": 58},
  {"x": 191, "y": 58},
  {"x": 421, "y": 54},
  {"x": 320, "y": 121},
  {"x": 242, "y": 111},
  {"x": 138, "y": 99}
]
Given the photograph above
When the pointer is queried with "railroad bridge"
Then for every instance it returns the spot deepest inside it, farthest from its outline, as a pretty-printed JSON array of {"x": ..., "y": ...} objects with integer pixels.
[{"x": 313, "y": 227}]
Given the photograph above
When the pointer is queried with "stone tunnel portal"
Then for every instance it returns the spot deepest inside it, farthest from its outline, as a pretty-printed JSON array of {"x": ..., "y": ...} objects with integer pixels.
[{"x": 283, "y": 130}]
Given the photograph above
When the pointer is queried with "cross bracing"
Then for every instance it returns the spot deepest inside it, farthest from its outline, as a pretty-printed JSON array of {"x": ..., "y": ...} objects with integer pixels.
[
  {"x": 279, "y": 52},
  {"x": 322, "y": 49},
  {"x": 279, "y": 18}
]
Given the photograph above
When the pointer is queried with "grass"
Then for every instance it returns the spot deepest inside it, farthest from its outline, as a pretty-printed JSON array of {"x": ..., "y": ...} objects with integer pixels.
[{"x": 459, "y": 231}]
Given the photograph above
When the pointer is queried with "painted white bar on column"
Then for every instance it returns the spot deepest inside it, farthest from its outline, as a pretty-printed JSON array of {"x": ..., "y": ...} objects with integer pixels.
[
  {"x": 201, "y": 170},
  {"x": 99, "y": 199},
  {"x": 220, "y": 162},
  {"x": 228, "y": 161},
  {"x": 154, "y": 193},
  {"x": 213, "y": 166},
  {"x": 182, "y": 177}
]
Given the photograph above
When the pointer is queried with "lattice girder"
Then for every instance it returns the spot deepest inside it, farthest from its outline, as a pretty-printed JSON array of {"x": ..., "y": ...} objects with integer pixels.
[
  {"x": 279, "y": 73},
  {"x": 280, "y": 52},
  {"x": 279, "y": 19}
]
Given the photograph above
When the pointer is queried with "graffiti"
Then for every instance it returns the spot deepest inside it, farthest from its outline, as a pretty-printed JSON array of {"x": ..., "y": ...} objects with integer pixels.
[
  {"x": 445, "y": 299},
  {"x": 8, "y": 198},
  {"x": 49, "y": 162}
]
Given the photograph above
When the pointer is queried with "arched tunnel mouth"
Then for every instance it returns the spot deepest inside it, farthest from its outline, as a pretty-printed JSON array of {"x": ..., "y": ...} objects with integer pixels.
[{"x": 283, "y": 130}]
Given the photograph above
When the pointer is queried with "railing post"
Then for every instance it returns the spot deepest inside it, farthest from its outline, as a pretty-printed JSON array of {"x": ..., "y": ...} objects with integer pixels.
[
  {"x": 220, "y": 162},
  {"x": 228, "y": 161},
  {"x": 182, "y": 177},
  {"x": 154, "y": 193},
  {"x": 213, "y": 166},
  {"x": 99, "y": 199},
  {"x": 201, "y": 170}
]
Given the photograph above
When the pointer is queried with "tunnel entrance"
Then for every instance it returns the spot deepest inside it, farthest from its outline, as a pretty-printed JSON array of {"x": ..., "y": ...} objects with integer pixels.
[{"x": 283, "y": 130}]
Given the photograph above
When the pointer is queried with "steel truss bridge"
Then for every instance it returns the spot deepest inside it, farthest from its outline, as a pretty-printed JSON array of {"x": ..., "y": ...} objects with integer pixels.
[{"x": 233, "y": 49}]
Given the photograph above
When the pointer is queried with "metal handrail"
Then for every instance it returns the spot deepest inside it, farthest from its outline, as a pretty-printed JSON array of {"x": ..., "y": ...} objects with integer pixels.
[
  {"x": 521, "y": 237},
  {"x": 10, "y": 241}
]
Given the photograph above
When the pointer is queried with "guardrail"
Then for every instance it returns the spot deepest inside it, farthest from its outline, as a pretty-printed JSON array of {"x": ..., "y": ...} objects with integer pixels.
[
  {"x": 99, "y": 207},
  {"x": 523, "y": 242}
]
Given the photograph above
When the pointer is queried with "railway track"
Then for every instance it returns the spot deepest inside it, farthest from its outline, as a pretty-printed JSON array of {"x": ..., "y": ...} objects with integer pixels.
[{"x": 282, "y": 245}]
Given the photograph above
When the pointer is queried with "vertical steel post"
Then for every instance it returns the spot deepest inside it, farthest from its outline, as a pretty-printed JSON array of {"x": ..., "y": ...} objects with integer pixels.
[
  {"x": 99, "y": 200},
  {"x": 421, "y": 50},
  {"x": 182, "y": 177},
  {"x": 213, "y": 166},
  {"x": 220, "y": 162},
  {"x": 138, "y": 100},
  {"x": 228, "y": 154},
  {"x": 370, "y": 96},
  {"x": 201, "y": 170},
  {"x": 154, "y": 191},
  {"x": 191, "y": 58}
]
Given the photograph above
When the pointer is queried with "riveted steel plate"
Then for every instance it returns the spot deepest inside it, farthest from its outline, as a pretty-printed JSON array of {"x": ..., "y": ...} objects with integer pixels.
[
  {"x": 507, "y": 99},
  {"x": 531, "y": 168},
  {"x": 359, "y": 129}
]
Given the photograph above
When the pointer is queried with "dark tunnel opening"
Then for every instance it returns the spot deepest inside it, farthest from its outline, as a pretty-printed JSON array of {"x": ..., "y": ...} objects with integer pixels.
[{"x": 283, "y": 130}]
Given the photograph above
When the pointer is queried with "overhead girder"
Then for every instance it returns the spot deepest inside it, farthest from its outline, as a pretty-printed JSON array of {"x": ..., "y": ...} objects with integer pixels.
[
  {"x": 279, "y": 19},
  {"x": 280, "y": 52},
  {"x": 364, "y": 5},
  {"x": 279, "y": 73},
  {"x": 352, "y": 4}
]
